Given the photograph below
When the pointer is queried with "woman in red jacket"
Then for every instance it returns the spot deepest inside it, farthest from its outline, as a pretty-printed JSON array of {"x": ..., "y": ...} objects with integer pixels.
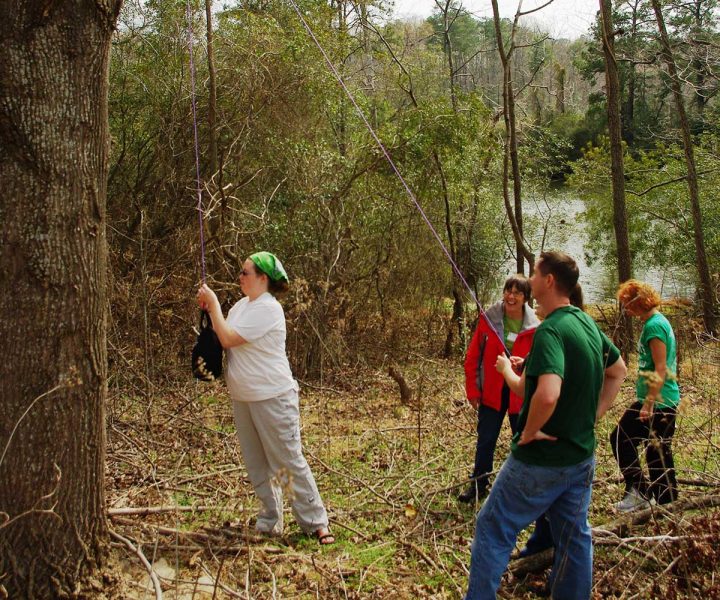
[{"x": 507, "y": 325}]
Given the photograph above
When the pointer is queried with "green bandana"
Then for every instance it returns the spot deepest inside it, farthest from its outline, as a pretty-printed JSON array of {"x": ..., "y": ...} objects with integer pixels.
[{"x": 270, "y": 264}]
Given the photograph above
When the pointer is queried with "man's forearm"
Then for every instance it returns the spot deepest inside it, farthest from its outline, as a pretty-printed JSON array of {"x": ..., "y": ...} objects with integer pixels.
[
  {"x": 608, "y": 393},
  {"x": 541, "y": 409},
  {"x": 614, "y": 376}
]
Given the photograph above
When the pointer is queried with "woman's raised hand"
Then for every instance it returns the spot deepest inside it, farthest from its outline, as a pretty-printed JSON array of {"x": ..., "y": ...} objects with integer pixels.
[{"x": 206, "y": 298}]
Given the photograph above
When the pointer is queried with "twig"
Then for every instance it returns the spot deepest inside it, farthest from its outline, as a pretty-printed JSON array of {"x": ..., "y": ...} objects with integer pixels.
[
  {"x": 218, "y": 538},
  {"x": 355, "y": 531},
  {"x": 352, "y": 478},
  {"x": 143, "y": 560},
  {"x": 206, "y": 475},
  {"x": 617, "y": 541},
  {"x": 155, "y": 510},
  {"x": 27, "y": 410},
  {"x": 219, "y": 584},
  {"x": 421, "y": 552}
]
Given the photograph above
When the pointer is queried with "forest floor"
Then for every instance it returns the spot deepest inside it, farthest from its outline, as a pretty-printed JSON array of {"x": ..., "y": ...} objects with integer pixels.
[{"x": 389, "y": 475}]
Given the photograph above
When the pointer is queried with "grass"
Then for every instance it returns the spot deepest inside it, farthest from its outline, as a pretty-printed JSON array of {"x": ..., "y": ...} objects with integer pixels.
[{"x": 389, "y": 475}]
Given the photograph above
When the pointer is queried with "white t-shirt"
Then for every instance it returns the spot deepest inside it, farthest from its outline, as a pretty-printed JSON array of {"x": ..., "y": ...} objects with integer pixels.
[{"x": 259, "y": 369}]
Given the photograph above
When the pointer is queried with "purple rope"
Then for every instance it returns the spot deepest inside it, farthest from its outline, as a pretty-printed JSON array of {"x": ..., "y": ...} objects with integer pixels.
[
  {"x": 395, "y": 169},
  {"x": 195, "y": 132}
]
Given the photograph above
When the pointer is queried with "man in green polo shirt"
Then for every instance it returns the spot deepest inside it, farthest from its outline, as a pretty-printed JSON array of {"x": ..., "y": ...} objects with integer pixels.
[{"x": 572, "y": 376}]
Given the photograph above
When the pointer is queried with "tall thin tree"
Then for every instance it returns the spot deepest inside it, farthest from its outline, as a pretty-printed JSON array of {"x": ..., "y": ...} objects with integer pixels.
[
  {"x": 612, "y": 91},
  {"x": 511, "y": 161},
  {"x": 450, "y": 11},
  {"x": 706, "y": 291}
]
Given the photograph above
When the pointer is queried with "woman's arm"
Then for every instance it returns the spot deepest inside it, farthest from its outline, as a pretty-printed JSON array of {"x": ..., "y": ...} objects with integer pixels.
[
  {"x": 208, "y": 301},
  {"x": 656, "y": 380}
]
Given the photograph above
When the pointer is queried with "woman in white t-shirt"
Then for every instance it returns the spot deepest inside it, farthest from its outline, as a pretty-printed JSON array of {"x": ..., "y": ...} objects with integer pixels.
[{"x": 264, "y": 397}]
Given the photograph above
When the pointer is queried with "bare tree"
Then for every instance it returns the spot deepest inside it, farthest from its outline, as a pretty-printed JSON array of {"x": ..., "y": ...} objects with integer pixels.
[
  {"x": 511, "y": 159},
  {"x": 706, "y": 291},
  {"x": 449, "y": 11},
  {"x": 53, "y": 172},
  {"x": 612, "y": 91}
]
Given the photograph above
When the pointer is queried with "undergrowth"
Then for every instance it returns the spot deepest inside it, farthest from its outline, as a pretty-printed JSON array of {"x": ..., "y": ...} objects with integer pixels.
[{"x": 389, "y": 475}]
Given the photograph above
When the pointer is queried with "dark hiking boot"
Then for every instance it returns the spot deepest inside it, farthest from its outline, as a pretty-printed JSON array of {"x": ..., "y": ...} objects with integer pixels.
[{"x": 473, "y": 493}]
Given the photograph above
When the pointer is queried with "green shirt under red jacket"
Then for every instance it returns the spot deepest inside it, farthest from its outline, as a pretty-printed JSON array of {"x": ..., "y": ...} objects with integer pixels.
[
  {"x": 482, "y": 381},
  {"x": 568, "y": 343}
]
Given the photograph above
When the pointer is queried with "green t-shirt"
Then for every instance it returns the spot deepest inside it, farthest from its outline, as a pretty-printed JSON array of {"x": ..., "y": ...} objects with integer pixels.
[
  {"x": 511, "y": 329},
  {"x": 567, "y": 343},
  {"x": 658, "y": 327}
]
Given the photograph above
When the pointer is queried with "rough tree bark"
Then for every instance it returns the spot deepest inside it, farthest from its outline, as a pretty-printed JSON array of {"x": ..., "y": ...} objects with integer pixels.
[
  {"x": 706, "y": 290},
  {"x": 53, "y": 172},
  {"x": 622, "y": 241}
]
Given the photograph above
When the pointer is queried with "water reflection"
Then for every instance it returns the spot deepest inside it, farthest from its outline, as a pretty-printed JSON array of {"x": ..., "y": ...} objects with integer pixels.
[{"x": 567, "y": 233}]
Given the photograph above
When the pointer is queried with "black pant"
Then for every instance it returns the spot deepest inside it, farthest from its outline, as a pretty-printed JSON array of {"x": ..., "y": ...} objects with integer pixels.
[
  {"x": 656, "y": 434},
  {"x": 488, "y": 431}
]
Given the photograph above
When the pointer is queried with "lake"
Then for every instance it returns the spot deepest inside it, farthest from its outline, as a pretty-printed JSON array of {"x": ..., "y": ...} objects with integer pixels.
[{"x": 598, "y": 279}]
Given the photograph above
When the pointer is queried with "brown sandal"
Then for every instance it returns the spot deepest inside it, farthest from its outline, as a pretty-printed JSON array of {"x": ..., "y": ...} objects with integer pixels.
[{"x": 324, "y": 537}]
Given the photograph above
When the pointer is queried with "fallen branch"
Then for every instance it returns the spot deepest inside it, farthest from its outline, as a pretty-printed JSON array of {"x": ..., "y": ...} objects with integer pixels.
[
  {"x": 355, "y": 531},
  {"x": 421, "y": 552},
  {"x": 220, "y": 539},
  {"x": 143, "y": 560},
  {"x": 617, "y": 529},
  {"x": 617, "y": 541},
  {"x": 405, "y": 391},
  {"x": 156, "y": 510},
  {"x": 699, "y": 482},
  {"x": 219, "y": 584},
  {"x": 351, "y": 478}
]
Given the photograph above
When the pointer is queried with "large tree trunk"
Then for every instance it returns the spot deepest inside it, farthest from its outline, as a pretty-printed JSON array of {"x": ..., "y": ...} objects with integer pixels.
[
  {"x": 53, "y": 171},
  {"x": 622, "y": 241},
  {"x": 706, "y": 290}
]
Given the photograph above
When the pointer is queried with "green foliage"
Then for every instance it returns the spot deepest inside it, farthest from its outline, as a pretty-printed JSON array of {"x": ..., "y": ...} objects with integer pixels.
[
  {"x": 659, "y": 218},
  {"x": 465, "y": 31},
  {"x": 300, "y": 174}
]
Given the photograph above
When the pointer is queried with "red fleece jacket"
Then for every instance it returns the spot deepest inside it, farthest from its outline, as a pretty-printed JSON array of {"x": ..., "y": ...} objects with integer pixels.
[{"x": 483, "y": 384}]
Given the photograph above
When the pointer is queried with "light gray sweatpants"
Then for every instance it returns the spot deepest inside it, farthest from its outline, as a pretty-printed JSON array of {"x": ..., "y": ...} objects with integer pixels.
[{"x": 269, "y": 434}]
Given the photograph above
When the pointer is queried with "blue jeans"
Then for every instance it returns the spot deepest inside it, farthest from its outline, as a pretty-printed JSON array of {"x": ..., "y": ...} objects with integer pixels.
[
  {"x": 488, "y": 430},
  {"x": 520, "y": 494}
]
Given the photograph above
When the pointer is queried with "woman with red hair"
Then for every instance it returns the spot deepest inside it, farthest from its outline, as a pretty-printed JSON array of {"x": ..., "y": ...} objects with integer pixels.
[{"x": 650, "y": 420}]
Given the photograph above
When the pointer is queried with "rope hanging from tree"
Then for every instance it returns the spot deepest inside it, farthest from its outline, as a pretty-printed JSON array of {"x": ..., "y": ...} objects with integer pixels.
[
  {"x": 369, "y": 127},
  {"x": 206, "y": 359},
  {"x": 193, "y": 103},
  {"x": 386, "y": 154}
]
